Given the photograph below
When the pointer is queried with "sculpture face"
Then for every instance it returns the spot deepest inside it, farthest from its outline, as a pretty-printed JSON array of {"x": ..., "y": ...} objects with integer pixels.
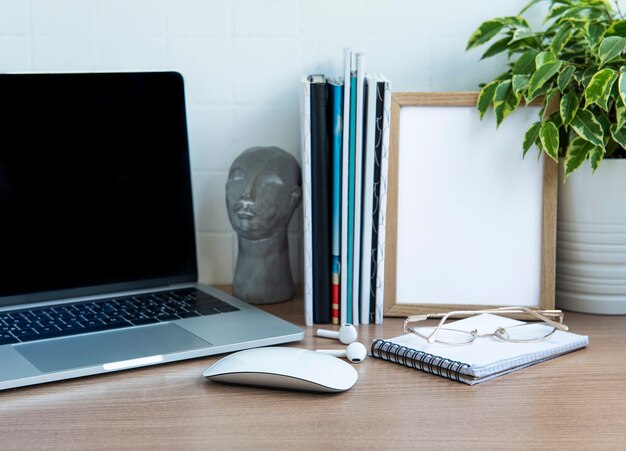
[{"x": 262, "y": 191}]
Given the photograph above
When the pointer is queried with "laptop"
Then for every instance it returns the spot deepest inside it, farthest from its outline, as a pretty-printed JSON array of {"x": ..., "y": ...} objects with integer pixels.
[{"x": 98, "y": 267}]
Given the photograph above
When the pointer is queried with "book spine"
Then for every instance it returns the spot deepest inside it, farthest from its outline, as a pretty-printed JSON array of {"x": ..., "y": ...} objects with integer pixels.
[
  {"x": 349, "y": 270},
  {"x": 358, "y": 185},
  {"x": 382, "y": 212},
  {"x": 336, "y": 91},
  {"x": 376, "y": 313},
  {"x": 345, "y": 154},
  {"x": 305, "y": 135},
  {"x": 419, "y": 360},
  {"x": 369, "y": 133},
  {"x": 320, "y": 200}
]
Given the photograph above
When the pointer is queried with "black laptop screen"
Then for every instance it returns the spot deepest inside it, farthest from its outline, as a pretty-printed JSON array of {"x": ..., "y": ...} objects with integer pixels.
[{"x": 94, "y": 181}]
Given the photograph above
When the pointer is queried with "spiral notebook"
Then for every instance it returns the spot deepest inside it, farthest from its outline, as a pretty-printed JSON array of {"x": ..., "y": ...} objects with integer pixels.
[{"x": 486, "y": 358}]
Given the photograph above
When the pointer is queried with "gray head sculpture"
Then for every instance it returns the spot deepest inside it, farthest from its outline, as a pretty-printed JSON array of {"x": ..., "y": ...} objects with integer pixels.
[{"x": 262, "y": 192}]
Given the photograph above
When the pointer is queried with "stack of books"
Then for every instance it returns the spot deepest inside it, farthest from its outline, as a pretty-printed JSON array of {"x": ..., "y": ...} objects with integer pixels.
[{"x": 345, "y": 148}]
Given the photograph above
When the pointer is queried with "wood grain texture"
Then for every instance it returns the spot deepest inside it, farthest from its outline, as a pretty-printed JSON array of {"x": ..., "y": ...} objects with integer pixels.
[
  {"x": 572, "y": 402},
  {"x": 391, "y": 225},
  {"x": 549, "y": 224},
  {"x": 549, "y": 209}
]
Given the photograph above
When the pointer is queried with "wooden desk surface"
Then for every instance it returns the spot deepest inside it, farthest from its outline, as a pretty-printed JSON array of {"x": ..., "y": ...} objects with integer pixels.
[{"x": 577, "y": 401}]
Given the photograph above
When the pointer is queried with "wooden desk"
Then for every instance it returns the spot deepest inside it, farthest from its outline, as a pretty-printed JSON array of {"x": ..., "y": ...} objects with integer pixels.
[{"x": 577, "y": 401}]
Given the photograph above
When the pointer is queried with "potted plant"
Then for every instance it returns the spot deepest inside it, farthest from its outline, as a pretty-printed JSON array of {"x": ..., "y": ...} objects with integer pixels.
[{"x": 576, "y": 63}]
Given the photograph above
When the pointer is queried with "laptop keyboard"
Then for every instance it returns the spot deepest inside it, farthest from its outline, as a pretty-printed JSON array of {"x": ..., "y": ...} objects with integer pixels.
[{"x": 21, "y": 326}]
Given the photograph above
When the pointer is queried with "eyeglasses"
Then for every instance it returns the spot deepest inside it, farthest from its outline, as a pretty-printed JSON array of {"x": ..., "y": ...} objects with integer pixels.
[{"x": 551, "y": 321}]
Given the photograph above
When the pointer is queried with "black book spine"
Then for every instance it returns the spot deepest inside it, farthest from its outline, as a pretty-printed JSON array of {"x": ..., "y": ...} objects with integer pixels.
[
  {"x": 320, "y": 201},
  {"x": 378, "y": 148}
]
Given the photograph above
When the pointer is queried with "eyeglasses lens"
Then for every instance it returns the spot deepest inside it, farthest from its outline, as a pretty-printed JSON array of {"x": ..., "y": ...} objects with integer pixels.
[
  {"x": 526, "y": 332},
  {"x": 447, "y": 336}
]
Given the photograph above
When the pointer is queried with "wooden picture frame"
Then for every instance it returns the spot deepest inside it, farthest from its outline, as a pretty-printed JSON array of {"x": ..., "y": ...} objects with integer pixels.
[{"x": 397, "y": 290}]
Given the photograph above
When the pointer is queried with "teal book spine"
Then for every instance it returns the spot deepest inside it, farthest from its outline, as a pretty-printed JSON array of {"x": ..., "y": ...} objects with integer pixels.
[{"x": 351, "y": 189}]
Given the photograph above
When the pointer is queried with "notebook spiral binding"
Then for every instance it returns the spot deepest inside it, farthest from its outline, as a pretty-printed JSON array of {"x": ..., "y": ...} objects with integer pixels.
[{"x": 418, "y": 360}]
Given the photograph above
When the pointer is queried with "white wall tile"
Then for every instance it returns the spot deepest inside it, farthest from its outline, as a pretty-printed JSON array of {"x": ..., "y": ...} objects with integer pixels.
[
  {"x": 63, "y": 54},
  {"x": 267, "y": 18},
  {"x": 209, "y": 198},
  {"x": 398, "y": 19},
  {"x": 145, "y": 18},
  {"x": 132, "y": 54},
  {"x": 257, "y": 79},
  {"x": 334, "y": 19},
  {"x": 211, "y": 137},
  {"x": 325, "y": 56},
  {"x": 206, "y": 65},
  {"x": 216, "y": 258},
  {"x": 14, "y": 17},
  {"x": 412, "y": 72},
  {"x": 14, "y": 53},
  {"x": 260, "y": 126},
  {"x": 199, "y": 18},
  {"x": 453, "y": 69},
  {"x": 67, "y": 17}
]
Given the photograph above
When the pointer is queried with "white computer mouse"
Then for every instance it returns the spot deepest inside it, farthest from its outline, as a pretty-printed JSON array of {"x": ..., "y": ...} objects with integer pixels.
[{"x": 281, "y": 367}]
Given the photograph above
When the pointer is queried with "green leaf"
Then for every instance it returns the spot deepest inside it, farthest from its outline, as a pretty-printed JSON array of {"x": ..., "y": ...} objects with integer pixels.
[
  {"x": 621, "y": 84},
  {"x": 560, "y": 39},
  {"x": 520, "y": 82},
  {"x": 619, "y": 135},
  {"x": 564, "y": 77},
  {"x": 521, "y": 33},
  {"x": 505, "y": 101},
  {"x": 485, "y": 97},
  {"x": 486, "y": 31},
  {"x": 497, "y": 47},
  {"x": 595, "y": 32},
  {"x": 603, "y": 101},
  {"x": 543, "y": 58},
  {"x": 549, "y": 136},
  {"x": 555, "y": 118},
  {"x": 596, "y": 156},
  {"x": 610, "y": 48},
  {"x": 568, "y": 107},
  {"x": 548, "y": 102},
  {"x": 556, "y": 11},
  {"x": 514, "y": 21},
  {"x": 587, "y": 127},
  {"x": 525, "y": 65},
  {"x": 531, "y": 136},
  {"x": 617, "y": 28},
  {"x": 599, "y": 87},
  {"x": 575, "y": 154},
  {"x": 610, "y": 148},
  {"x": 582, "y": 14},
  {"x": 620, "y": 112},
  {"x": 605, "y": 123},
  {"x": 542, "y": 75},
  {"x": 587, "y": 74}
]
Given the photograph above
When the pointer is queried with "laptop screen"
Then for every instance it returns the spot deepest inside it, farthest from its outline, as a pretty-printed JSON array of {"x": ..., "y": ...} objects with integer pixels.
[{"x": 95, "y": 186}]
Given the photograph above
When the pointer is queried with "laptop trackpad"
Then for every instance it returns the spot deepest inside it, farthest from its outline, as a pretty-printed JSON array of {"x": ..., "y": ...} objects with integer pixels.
[{"x": 108, "y": 347}]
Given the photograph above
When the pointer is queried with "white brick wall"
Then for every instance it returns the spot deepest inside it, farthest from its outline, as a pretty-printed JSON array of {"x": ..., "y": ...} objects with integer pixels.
[{"x": 242, "y": 60}]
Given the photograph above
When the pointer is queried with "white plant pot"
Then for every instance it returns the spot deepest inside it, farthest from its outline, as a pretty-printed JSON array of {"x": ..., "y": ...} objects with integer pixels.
[{"x": 591, "y": 240}]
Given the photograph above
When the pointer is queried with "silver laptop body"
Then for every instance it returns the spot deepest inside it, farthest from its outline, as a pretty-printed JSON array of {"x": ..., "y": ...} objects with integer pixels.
[{"x": 97, "y": 233}]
